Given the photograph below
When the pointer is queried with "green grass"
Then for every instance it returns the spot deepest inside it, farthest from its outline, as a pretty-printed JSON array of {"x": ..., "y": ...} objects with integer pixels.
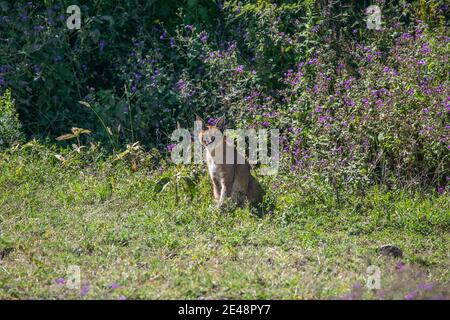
[{"x": 109, "y": 221}]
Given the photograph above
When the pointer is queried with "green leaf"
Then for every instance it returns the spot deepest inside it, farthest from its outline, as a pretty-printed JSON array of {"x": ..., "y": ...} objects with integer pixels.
[
  {"x": 67, "y": 136},
  {"x": 84, "y": 103},
  {"x": 161, "y": 184}
]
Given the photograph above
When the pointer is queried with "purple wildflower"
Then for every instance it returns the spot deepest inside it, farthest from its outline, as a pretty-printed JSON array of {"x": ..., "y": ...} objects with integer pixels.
[
  {"x": 348, "y": 84},
  {"x": 171, "y": 146},
  {"x": 411, "y": 295},
  {"x": 315, "y": 28},
  {"x": 84, "y": 290},
  {"x": 181, "y": 84},
  {"x": 114, "y": 286},
  {"x": 425, "y": 48},
  {"x": 137, "y": 76},
  {"x": 60, "y": 281},
  {"x": 240, "y": 68},
  {"x": 357, "y": 286},
  {"x": 212, "y": 121},
  {"x": 426, "y": 286},
  {"x": 23, "y": 16},
  {"x": 204, "y": 37},
  {"x": 38, "y": 28},
  {"x": 400, "y": 266}
]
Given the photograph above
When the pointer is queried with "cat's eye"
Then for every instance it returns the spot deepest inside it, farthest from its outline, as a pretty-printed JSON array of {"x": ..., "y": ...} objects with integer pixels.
[{"x": 208, "y": 140}]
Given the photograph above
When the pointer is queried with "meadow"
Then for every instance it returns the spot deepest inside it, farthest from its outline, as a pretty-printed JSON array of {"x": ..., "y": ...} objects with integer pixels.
[
  {"x": 131, "y": 241},
  {"x": 87, "y": 182}
]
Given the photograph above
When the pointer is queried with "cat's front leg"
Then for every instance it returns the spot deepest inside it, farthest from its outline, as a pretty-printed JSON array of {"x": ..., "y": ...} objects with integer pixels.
[{"x": 216, "y": 190}]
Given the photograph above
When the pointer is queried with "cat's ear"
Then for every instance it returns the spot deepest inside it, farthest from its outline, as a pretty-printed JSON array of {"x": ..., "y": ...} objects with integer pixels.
[
  {"x": 178, "y": 125},
  {"x": 221, "y": 123},
  {"x": 197, "y": 118}
]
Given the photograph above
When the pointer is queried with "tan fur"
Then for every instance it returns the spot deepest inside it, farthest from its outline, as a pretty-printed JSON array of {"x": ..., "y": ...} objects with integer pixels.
[{"x": 230, "y": 180}]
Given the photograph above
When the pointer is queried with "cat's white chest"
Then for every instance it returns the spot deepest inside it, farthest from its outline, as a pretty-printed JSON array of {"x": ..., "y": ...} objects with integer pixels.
[{"x": 212, "y": 167}]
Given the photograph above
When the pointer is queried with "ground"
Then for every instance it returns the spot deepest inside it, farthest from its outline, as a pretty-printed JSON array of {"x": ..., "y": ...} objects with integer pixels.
[{"x": 131, "y": 240}]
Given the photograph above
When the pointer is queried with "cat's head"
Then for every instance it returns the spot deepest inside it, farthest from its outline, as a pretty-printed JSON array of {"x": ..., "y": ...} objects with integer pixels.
[{"x": 211, "y": 134}]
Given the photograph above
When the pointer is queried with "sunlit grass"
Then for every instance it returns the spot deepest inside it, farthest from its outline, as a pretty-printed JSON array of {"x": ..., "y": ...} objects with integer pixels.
[{"x": 106, "y": 218}]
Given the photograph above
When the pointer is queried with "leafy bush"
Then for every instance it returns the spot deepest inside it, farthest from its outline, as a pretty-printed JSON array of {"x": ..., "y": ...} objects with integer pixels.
[
  {"x": 355, "y": 106},
  {"x": 9, "y": 121},
  {"x": 50, "y": 68},
  {"x": 385, "y": 121}
]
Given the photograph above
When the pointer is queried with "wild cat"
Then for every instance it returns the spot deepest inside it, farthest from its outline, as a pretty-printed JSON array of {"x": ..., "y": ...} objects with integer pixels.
[{"x": 233, "y": 179}]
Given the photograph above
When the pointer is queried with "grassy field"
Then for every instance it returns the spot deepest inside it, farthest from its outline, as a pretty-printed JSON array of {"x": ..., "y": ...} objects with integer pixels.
[{"x": 133, "y": 242}]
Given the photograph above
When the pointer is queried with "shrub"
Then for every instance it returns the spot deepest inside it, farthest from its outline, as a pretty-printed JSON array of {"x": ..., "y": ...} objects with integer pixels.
[
  {"x": 9, "y": 121},
  {"x": 386, "y": 121},
  {"x": 355, "y": 106}
]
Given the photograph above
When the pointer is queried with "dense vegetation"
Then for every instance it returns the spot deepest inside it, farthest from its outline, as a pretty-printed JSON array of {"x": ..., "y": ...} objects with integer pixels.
[{"x": 364, "y": 122}]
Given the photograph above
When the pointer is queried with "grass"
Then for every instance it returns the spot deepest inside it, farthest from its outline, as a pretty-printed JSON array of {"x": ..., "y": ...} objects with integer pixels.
[{"x": 100, "y": 215}]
